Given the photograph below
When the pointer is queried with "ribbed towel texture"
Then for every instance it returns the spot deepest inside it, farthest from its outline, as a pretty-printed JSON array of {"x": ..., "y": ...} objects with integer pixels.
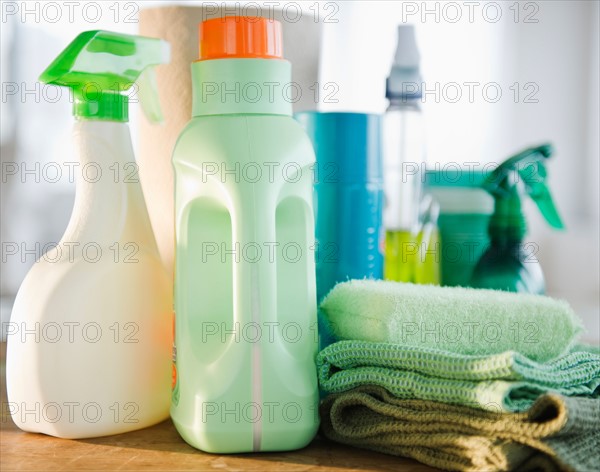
[
  {"x": 505, "y": 382},
  {"x": 461, "y": 320},
  {"x": 460, "y": 379},
  {"x": 556, "y": 433}
]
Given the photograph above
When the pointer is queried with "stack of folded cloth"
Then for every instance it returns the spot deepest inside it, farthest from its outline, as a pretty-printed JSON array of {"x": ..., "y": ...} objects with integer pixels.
[{"x": 460, "y": 379}]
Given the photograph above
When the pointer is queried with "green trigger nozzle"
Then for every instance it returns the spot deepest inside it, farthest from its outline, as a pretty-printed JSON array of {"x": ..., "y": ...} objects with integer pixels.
[{"x": 101, "y": 68}]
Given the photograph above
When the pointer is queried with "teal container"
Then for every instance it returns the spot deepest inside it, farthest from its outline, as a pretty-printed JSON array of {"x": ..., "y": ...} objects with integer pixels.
[
  {"x": 348, "y": 199},
  {"x": 465, "y": 210},
  {"x": 349, "y": 196}
]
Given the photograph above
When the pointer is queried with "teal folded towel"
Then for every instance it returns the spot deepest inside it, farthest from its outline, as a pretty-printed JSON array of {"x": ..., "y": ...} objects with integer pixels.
[
  {"x": 454, "y": 319},
  {"x": 504, "y": 382}
]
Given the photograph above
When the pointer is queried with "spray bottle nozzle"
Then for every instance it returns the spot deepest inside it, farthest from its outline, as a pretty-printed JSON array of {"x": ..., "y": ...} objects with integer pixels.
[
  {"x": 522, "y": 174},
  {"x": 405, "y": 80},
  {"x": 100, "y": 66}
]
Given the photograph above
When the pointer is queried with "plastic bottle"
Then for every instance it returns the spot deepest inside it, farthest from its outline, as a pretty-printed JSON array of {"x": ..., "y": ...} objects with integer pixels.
[
  {"x": 89, "y": 339},
  {"x": 508, "y": 264},
  {"x": 245, "y": 302},
  {"x": 349, "y": 200},
  {"x": 404, "y": 162},
  {"x": 349, "y": 196}
]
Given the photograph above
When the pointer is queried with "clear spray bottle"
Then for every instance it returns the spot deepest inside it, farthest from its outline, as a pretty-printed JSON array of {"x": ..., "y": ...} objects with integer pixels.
[{"x": 409, "y": 250}]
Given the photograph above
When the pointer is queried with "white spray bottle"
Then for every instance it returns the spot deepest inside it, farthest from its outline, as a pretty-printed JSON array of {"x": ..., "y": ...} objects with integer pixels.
[{"x": 90, "y": 334}]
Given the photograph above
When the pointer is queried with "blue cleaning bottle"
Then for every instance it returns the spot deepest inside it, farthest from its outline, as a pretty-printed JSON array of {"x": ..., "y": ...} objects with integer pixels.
[{"x": 349, "y": 198}]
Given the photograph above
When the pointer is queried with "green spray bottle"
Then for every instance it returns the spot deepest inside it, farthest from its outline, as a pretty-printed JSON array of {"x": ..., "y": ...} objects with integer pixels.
[
  {"x": 245, "y": 295},
  {"x": 508, "y": 264}
]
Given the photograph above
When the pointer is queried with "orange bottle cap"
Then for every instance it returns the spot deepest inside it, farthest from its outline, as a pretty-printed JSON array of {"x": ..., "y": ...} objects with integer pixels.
[{"x": 240, "y": 36}]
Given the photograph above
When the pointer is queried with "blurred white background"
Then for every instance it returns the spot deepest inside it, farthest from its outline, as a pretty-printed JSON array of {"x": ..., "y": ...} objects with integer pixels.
[{"x": 543, "y": 56}]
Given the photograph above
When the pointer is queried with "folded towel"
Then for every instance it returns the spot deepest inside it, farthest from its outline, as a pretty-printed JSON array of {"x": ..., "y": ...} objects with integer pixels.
[
  {"x": 557, "y": 433},
  {"x": 462, "y": 320},
  {"x": 507, "y": 381}
]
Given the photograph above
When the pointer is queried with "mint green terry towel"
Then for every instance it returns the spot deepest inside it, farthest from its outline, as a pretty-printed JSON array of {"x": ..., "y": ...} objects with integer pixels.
[
  {"x": 454, "y": 319},
  {"x": 503, "y": 382}
]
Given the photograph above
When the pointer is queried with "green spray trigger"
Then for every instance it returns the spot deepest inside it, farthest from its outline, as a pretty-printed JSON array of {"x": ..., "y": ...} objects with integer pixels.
[
  {"x": 522, "y": 174},
  {"x": 101, "y": 67}
]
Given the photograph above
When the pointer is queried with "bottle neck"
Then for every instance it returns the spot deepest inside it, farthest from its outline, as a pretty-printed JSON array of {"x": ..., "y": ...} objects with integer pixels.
[
  {"x": 404, "y": 103},
  {"x": 507, "y": 224},
  {"x": 109, "y": 204},
  {"x": 243, "y": 86},
  {"x": 101, "y": 106}
]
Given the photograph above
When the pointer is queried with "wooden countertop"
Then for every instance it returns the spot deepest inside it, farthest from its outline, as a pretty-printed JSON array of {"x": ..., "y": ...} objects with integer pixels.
[{"x": 161, "y": 448}]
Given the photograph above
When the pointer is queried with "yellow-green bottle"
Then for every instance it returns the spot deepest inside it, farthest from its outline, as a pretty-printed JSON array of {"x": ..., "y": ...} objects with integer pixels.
[{"x": 414, "y": 256}]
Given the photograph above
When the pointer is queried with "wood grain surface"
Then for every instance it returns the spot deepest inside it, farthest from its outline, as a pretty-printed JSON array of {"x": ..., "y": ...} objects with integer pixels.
[{"x": 161, "y": 448}]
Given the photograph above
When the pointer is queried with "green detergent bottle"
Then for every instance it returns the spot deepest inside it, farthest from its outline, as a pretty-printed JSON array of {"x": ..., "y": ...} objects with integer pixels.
[
  {"x": 245, "y": 296},
  {"x": 508, "y": 264}
]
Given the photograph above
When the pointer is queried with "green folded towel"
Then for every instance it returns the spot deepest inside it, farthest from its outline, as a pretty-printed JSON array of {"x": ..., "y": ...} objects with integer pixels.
[
  {"x": 462, "y": 320},
  {"x": 557, "y": 433},
  {"x": 507, "y": 381}
]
